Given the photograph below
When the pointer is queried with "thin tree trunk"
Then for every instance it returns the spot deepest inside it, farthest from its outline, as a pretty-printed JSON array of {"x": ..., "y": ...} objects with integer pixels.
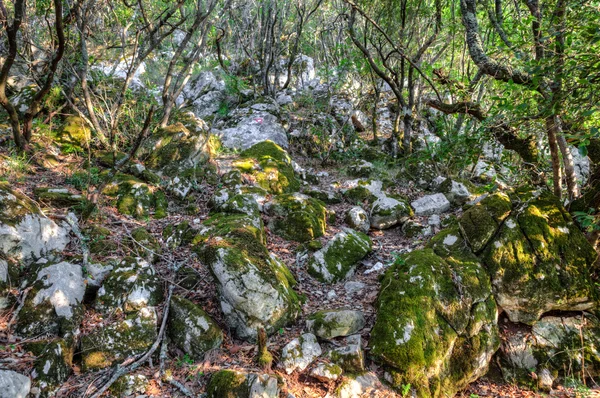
[
  {"x": 552, "y": 132},
  {"x": 570, "y": 175}
]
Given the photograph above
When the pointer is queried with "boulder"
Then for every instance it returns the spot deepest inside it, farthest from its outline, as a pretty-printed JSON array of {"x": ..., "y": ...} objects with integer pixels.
[
  {"x": 431, "y": 204},
  {"x": 257, "y": 127},
  {"x": 326, "y": 372},
  {"x": 362, "y": 385},
  {"x": 191, "y": 329},
  {"x": 136, "y": 198},
  {"x": 254, "y": 287},
  {"x": 74, "y": 136},
  {"x": 481, "y": 222},
  {"x": 131, "y": 285},
  {"x": 350, "y": 357},
  {"x": 456, "y": 192},
  {"x": 14, "y": 385},
  {"x": 53, "y": 306},
  {"x": 241, "y": 204},
  {"x": 270, "y": 166},
  {"x": 232, "y": 384},
  {"x": 360, "y": 168},
  {"x": 53, "y": 364},
  {"x": 362, "y": 190},
  {"x": 177, "y": 235},
  {"x": 329, "y": 324},
  {"x": 297, "y": 217},
  {"x": 329, "y": 197},
  {"x": 25, "y": 233},
  {"x": 59, "y": 197},
  {"x": 299, "y": 353},
  {"x": 539, "y": 260},
  {"x": 112, "y": 343},
  {"x": 436, "y": 327},
  {"x": 387, "y": 212},
  {"x": 338, "y": 259},
  {"x": 358, "y": 219}
]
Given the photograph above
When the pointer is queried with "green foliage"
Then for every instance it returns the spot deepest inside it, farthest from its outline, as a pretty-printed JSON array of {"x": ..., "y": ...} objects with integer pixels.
[{"x": 82, "y": 180}]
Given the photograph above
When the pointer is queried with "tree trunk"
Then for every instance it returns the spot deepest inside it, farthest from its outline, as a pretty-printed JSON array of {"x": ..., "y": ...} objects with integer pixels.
[{"x": 552, "y": 131}]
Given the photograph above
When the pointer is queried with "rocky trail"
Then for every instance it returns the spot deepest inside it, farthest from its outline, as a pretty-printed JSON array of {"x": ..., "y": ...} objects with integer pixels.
[{"x": 287, "y": 276}]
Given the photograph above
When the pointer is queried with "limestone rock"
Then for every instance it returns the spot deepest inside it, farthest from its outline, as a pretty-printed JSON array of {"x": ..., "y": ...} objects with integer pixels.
[
  {"x": 358, "y": 219},
  {"x": 456, "y": 192},
  {"x": 387, "y": 212},
  {"x": 338, "y": 259},
  {"x": 297, "y": 217},
  {"x": 255, "y": 288},
  {"x": 53, "y": 306},
  {"x": 59, "y": 197},
  {"x": 271, "y": 167},
  {"x": 479, "y": 224},
  {"x": 191, "y": 329},
  {"x": 13, "y": 384},
  {"x": 329, "y": 197},
  {"x": 113, "y": 343},
  {"x": 362, "y": 386},
  {"x": 431, "y": 204},
  {"x": 299, "y": 353},
  {"x": 360, "y": 168},
  {"x": 436, "y": 326},
  {"x": 25, "y": 233},
  {"x": 53, "y": 364},
  {"x": 326, "y": 372},
  {"x": 350, "y": 356},
  {"x": 362, "y": 190},
  {"x": 136, "y": 198},
  {"x": 255, "y": 128},
  {"x": 131, "y": 285},
  {"x": 329, "y": 324}
]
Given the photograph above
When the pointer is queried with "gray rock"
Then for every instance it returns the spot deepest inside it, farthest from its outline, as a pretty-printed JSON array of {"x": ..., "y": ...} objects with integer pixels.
[
  {"x": 263, "y": 386},
  {"x": 351, "y": 356},
  {"x": 330, "y": 324},
  {"x": 25, "y": 233},
  {"x": 252, "y": 129},
  {"x": 339, "y": 258},
  {"x": 299, "y": 353},
  {"x": 434, "y": 221},
  {"x": 387, "y": 212},
  {"x": 358, "y": 219},
  {"x": 284, "y": 99},
  {"x": 360, "y": 168},
  {"x": 229, "y": 383},
  {"x": 456, "y": 192},
  {"x": 431, "y": 204},
  {"x": 361, "y": 386},
  {"x": 14, "y": 385},
  {"x": 353, "y": 287},
  {"x": 326, "y": 372},
  {"x": 208, "y": 104}
]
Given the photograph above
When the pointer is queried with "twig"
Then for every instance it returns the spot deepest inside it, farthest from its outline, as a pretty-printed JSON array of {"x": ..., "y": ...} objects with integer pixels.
[{"x": 21, "y": 304}]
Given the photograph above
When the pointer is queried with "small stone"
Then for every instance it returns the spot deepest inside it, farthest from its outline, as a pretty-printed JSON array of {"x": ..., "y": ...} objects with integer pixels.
[
  {"x": 329, "y": 324},
  {"x": 456, "y": 192},
  {"x": 375, "y": 268},
  {"x": 299, "y": 353},
  {"x": 434, "y": 221},
  {"x": 350, "y": 357},
  {"x": 326, "y": 372},
  {"x": 387, "y": 212},
  {"x": 431, "y": 204},
  {"x": 353, "y": 287},
  {"x": 14, "y": 385},
  {"x": 357, "y": 218},
  {"x": 331, "y": 294}
]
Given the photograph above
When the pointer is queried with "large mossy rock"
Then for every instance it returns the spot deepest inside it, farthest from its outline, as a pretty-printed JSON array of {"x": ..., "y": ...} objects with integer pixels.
[
  {"x": 113, "y": 343},
  {"x": 53, "y": 364},
  {"x": 255, "y": 288},
  {"x": 191, "y": 329},
  {"x": 53, "y": 306},
  {"x": 75, "y": 135},
  {"x": 26, "y": 234},
  {"x": 387, "y": 212},
  {"x": 539, "y": 261},
  {"x": 297, "y": 217},
  {"x": 131, "y": 285},
  {"x": 181, "y": 157},
  {"x": 556, "y": 347},
  {"x": 329, "y": 324},
  {"x": 436, "y": 326},
  {"x": 232, "y": 384},
  {"x": 481, "y": 222},
  {"x": 136, "y": 198},
  {"x": 340, "y": 256},
  {"x": 271, "y": 167}
]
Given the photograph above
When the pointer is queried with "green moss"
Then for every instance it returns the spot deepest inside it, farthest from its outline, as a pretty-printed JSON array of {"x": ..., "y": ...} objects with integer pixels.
[
  {"x": 59, "y": 197},
  {"x": 53, "y": 364},
  {"x": 99, "y": 241},
  {"x": 14, "y": 206},
  {"x": 480, "y": 223},
  {"x": 176, "y": 235},
  {"x": 227, "y": 384},
  {"x": 297, "y": 217},
  {"x": 191, "y": 329},
  {"x": 142, "y": 244},
  {"x": 109, "y": 158},
  {"x": 266, "y": 149},
  {"x": 74, "y": 135}
]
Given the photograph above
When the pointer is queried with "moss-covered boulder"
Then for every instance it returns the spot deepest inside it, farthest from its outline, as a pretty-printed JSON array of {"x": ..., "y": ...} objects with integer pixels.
[
  {"x": 362, "y": 190},
  {"x": 240, "y": 203},
  {"x": 191, "y": 329},
  {"x": 136, "y": 198},
  {"x": 131, "y": 285},
  {"x": 75, "y": 135},
  {"x": 26, "y": 234},
  {"x": 270, "y": 166},
  {"x": 141, "y": 243},
  {"x": 232, "y": 384},
  {"x": 539, "y": 260},
  {"x": 358, "y": 219},
  {"x": 436, "y": 319},
  {"x": 255, "y": 288},
  {"x": 110, "y": 344},
  {"x": 297, "y": 217},
  {"x": 53, "y": 364},
  {"x": 481, "y": 222},
  {"x": 176, "y": 235},
  {"x": 338, "y": 259},
  {"x": 99, "y": 240},
  {"x": 387, "y": 212},
  {"x": 350, "y": 356},
  {"x": 326, "y": 372},
  {"x": 360, "y": 168},
  {"x": 329, "y": 324},
  {"x": 555, "y": 348},
  {"x": 54, "y": 303},
  {"x": 325, "y": 196}
]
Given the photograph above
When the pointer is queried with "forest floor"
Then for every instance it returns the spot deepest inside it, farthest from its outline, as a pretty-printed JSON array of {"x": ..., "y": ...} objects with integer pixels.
[{"x": 235, "y": 354}]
